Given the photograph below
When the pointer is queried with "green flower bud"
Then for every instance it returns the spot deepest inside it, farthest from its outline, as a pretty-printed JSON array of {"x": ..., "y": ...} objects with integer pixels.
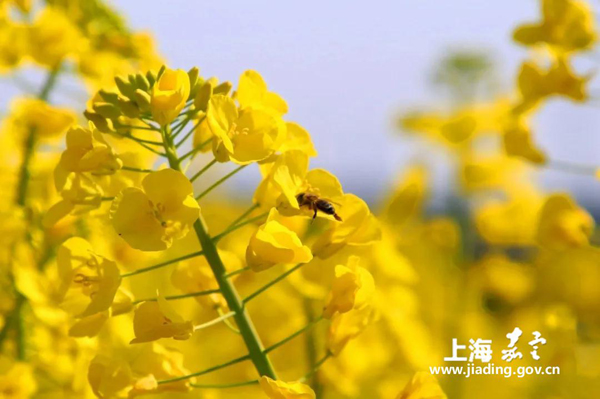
[
  {"x": 224, "y": 88},
  {"x": 107, "y": 110},
  {"x": 142, "y": 99}
]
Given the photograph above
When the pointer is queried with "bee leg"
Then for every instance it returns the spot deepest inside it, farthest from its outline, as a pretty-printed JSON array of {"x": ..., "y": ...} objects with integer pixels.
[{"x": 314, "y": 216}]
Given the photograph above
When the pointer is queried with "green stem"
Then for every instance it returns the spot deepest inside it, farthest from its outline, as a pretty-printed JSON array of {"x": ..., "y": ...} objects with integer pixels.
[
  {"x": 316, "y": 367},
  {"x": 244, "y": 322},
  {"x": 236, "y": 272},
  {"x": 21, "y": 199},
  {"x": 189, "y": 133},
  {"x": 219, "y": 182},
  {"x": 224, "y": 386},
  {"x": 195, "y": 149},
  {"x": 214, "y": 321},
  {"x": 181, "y": 296},
  {"x": 239, "y": 225},
  {"x": 204, "y": 169},
  {"x": 294, "y": 335},
  {"x": 272, "y": 282},
  {"x": 571, "y": 167},
  {"x": 242, "y": 216},
  {"x": 166, "y": 263}
]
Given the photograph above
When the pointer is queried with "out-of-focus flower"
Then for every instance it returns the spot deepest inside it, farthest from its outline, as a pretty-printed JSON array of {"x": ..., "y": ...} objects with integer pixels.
[
  {"x": 169, "y": 95},
  {"x": 566, "y": 26},
  {"x": 535, "y": 85},
  {"x": 157, "y": 319},
  {"x": 13, "y": 44},
  {"x": 89, "y": 282},
  {"x": 53, "y": 37},
  {"x": 17, "y": 380},
  {"x": 352, "y": 288},
  {"x": 277, "y": 389},
  {"x": 109, "y": 376},
  {"x": 134, "y": 371},
  {"x": 518, "y": 141},
  {"x": 46, "y": 120},
  {"x": 150, "y": 219},
  {"x": 422, "y": 386},
  {"x": 563, "y": 224},
  {"x": 512, "y": 221},
  {"x": 347, "y": 326},
  {"x": 78, "y": 191},
  {"x": 274, "y": 243}
]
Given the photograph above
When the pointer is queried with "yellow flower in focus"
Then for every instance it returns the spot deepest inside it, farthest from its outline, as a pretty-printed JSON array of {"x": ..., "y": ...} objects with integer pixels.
[
  {"x": 273, "y": 243},
  {"x": 276, "y": 389},
  {"x": 243, "y": 135},
  {"x": 297, "y": 138},
  {"x": 352, "y": 288},
  {"x": 53, "y": 37},
  {"x": 252, "y": 92},
  {"x": 169, "y": 95},
  {"x": 567, "y": 25},
  {"x": 86, "y": 151},
  {"x": 563, "y": 224},
  {"x": 359, "y": 227},
  {"x": 150, "y": 219},
  {"x": 89, "y": 282},
  {"x": 157, "y": 319},
  {"x": 16, "y": 380},
  {"x": 46, "y": 120},
  {"x": 422, "y": 386}
]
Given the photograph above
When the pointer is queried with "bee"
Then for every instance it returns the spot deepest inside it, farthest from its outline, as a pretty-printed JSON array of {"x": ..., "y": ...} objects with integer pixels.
[{"x": 314, "y": 203}]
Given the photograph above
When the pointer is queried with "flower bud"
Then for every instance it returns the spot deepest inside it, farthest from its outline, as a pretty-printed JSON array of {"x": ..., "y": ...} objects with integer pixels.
[{"x": 169, "y": 95}]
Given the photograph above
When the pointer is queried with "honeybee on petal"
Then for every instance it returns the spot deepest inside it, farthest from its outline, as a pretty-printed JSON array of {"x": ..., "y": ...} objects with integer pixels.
[{"x": 316, "y": 204}]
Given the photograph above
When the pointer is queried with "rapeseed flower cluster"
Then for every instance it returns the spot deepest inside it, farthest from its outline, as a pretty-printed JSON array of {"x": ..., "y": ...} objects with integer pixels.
[{"x": 127, "y": 271}]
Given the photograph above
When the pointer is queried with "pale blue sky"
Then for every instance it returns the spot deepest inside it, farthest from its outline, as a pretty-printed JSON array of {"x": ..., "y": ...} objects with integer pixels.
[{"x": 346, "y": 68}]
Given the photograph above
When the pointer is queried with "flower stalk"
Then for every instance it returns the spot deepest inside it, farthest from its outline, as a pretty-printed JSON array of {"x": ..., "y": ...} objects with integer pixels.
[{"x": 253, "y": 343}]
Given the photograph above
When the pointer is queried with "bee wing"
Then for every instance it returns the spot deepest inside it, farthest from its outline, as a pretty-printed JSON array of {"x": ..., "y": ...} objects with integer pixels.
[{"x": 332, "y": 201}]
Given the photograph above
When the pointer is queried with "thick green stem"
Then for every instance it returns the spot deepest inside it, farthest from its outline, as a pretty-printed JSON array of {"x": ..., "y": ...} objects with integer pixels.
[
  {"x": 253, "y": 343},
  {"x": 21, "y": 201}
]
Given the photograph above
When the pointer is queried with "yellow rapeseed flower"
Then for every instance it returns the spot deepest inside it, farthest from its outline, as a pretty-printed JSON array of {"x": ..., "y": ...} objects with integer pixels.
[
  {"x": 47, "y": 121},
  {"x": 89, "y": 281},
  {"x": 252, "y": 92},
  {"x": 277, "y": 389},
  {"x": 53, "y": 37},
  {"x": 150, "y": 219},
  {"x": 562, "y": 223},
  {"x": 243, "y": 135},
  {"x": 273, "y": 243},
  {"x": 566, "y": 26},
  {"x": 86, "y": 151},
  {"x": 422, "y": 386},
  {"x": 157, "y": 319}
]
